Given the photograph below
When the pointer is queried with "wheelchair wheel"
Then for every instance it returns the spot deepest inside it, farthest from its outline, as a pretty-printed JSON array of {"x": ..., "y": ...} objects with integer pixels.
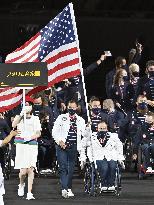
[
  {"x": 87, "y": 178},
  {"x": 128, "y": 154},
  {"x": 91, "y": 180},
  {"x": 7, "y": 167},
  {"x": 118, "y": 182},
  {"x": 140, "y": 167}
]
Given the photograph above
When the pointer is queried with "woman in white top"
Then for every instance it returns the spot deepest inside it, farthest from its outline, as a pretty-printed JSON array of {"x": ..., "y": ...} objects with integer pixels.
[
  {"x": 26, "y": 147},
  {"x": 2, "y": 143}
]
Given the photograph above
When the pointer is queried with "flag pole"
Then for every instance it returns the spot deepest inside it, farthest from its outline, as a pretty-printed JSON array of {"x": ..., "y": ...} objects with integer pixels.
[
  {"x": 23, "y": 103},
  {"x": 81, "y": 69},
  {"x": 80, "y": 62}
]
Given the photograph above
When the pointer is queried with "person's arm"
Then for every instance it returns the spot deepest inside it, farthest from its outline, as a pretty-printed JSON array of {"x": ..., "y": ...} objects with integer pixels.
[
  {"x": 138, "y": 54},
  {"x": 57, "y": 129},
  {"x": 119, "y": 148},
  {"x": 16, "y": 120},
  {"x": 93, "y": 66},
  {"x": 36, "y": 135},
  {"x": 9, "y": 137}
]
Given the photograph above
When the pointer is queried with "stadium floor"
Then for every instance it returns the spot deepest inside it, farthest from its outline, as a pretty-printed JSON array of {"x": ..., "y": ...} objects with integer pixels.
[{"x": 47, "y": 192}]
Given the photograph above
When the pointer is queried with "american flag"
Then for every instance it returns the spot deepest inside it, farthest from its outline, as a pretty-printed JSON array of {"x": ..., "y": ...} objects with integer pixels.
[
  {"x": 9, "y": 98},
  {"x": 56, "y": 44}
]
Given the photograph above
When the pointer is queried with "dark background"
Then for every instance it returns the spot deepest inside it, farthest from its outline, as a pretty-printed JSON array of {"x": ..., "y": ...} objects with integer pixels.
[{"x": 101, "y": 24}]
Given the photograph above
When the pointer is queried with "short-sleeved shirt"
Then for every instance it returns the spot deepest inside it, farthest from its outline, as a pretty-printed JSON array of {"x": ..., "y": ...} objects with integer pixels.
[{"x": 28, "y": 129}]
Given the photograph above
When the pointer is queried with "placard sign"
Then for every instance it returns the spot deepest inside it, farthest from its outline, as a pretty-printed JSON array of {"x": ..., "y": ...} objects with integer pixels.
[{"x": 23, "y": 74}]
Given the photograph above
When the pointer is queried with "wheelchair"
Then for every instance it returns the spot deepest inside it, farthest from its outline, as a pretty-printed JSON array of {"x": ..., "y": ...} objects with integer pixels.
[
  {"x": 50, "y": 160},
  {"x": 6, "y": 161},
  {"x": 129, "y": 150},
  {"x": 142, "y": 174},
  {"x": 92, "y": 181}
]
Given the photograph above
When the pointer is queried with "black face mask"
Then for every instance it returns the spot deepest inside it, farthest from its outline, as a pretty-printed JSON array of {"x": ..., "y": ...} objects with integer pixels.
[
  {"x": 151, "y": 73},
  {"x": 71, "y": 111},
  {"x": 101, "y": 134},
  {"x": 105, "y": 111},
  {"x": 125, "y": 78},
  {"x": 52, "y": 102},
  {"x": 45, "y": 123},
  {"x": 47, "y": 92},
  {"x": 142, "y": 106},
  {"x": 124, "y": 66},
  {"x": 135, "y": 74},
  {"x": 102, "y": 137},
  {"x": 37, "y": 107},
  {"x": 96, "y": 111}
]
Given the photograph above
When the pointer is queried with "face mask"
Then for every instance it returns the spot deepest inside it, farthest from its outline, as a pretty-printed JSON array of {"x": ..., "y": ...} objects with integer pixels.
[
  {"x": 135, "y": 74},
  {"x": 101, "y": 134},
  {"x": 125, "y": 78},
  {"x": 47, "y": 92},
  {"x": 96, "y": 111},
  {"x": 105, "y": 110},
  {"x": 142, "y": 106},
  {"x": 102, "y": 137},
  {"x": 124, "y": 66},
  {"x": 28, "y": 109},
  {"x": 37, "y": 107},
  {"x": 71, "y": 111},
  {"x": 45, "y": 123},
  {"x": 151, "y": 73},
  {"x": 52, "y": 102}
]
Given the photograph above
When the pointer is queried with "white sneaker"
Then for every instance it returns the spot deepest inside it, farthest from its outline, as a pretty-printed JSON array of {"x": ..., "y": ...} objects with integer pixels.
[
  {"x": 149, "y": 170},
  {"x": 21, "y": 189},
  {"x": 103, "y": 188},
  {"x": 64, "y": 193},
  {"x": 30, "y": 196},
  {"x": 70, "y": 193},
  {"x": 50, "y": 170},
  {"x": 111, "y": 188}
]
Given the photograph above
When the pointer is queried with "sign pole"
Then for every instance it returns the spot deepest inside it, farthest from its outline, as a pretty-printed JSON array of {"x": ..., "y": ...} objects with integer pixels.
[{"x": 23, "y": 103}]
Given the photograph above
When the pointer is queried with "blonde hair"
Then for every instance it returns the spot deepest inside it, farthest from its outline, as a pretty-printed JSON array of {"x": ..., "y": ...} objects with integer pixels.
[
  {"x": 133, "y": 67},
  {"x": 150, "y": 114},
  {"x": 108, "y": 103}
]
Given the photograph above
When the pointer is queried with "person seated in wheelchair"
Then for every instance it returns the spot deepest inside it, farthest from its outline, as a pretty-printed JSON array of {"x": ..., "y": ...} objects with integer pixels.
[
  {"x": 46, "y": 144},
  {"x": 132, "y": 128},
  {"x": 147, "y": 142},
  {"x": 106, "y": 150}
]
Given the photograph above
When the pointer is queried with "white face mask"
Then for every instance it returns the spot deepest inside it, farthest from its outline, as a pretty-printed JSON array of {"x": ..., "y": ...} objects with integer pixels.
[{"x": 28, "y": 109}]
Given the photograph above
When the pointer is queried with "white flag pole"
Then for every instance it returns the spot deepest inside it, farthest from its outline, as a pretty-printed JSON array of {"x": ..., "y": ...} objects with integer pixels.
[
  {"x": 81, "y": 69},
  {"x": 23, "y": 103},
  {"x": 80, "y": 62}
]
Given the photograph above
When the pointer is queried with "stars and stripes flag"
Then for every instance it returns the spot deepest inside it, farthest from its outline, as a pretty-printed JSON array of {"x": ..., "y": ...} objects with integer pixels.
[
  {"x": 57, "y": 44},
  {"x": 9, "y": 98}
]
